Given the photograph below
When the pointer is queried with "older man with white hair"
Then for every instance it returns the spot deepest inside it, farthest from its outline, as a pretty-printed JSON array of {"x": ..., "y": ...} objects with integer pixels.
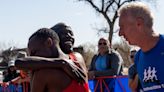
[{"x": 136, "y": 26}]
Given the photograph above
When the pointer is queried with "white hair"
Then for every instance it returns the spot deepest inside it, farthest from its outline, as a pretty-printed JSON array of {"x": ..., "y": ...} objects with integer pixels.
[{"x": 138, "y": 10}]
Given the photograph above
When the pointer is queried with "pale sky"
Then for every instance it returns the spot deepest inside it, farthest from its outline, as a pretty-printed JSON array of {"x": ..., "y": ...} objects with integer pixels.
[{"x": 20, "y": 18}]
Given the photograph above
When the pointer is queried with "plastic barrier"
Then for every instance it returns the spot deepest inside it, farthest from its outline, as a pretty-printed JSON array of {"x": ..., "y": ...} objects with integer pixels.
[
  {"x": 24, "y": 87},
  {"x": 11, "y": 88},
  {"x": 115, "y": 84}
]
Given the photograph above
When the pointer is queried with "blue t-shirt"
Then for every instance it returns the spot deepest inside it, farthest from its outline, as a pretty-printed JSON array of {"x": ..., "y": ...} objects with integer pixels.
[
  {"x": 150, "y": 67},
  {"x": 100, "y": 63}
]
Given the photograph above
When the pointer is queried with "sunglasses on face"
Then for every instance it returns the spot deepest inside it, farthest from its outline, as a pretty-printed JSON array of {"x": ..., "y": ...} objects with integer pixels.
[{"x": 103, "y": 43}]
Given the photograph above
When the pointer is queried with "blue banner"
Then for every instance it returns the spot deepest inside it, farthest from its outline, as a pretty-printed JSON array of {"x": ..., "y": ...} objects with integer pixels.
[
  {"x": 121, "y": 85},
  {"x": 115, "y": 85}
]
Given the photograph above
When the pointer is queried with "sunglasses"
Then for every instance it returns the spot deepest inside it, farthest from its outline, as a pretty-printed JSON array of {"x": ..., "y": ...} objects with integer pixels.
[{"x": 103, "y": 43}]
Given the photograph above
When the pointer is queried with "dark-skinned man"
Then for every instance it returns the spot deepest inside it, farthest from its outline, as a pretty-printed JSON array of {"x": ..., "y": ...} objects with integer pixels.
[{"x": 66, "y": 37}]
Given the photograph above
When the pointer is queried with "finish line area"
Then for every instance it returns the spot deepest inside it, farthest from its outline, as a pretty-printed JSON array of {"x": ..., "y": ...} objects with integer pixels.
[{"x": 118, "y": 84}]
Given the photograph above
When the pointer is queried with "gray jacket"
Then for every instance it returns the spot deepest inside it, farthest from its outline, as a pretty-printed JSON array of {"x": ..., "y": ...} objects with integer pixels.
[{"x": 114, "y": 63}]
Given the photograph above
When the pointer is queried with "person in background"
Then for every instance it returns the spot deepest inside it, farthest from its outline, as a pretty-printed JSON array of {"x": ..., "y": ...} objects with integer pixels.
[
  {"x": 5, "y": 73},
  {"x": 105, "y": 63},
  {"x": 12, "y": 72},
  {"x": 136, "y": 26},
  {"x": 133, "y": 82},
  {"x": 23, "y": 80}
]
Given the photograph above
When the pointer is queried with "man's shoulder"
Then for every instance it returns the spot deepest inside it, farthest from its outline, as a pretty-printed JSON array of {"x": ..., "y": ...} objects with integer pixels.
[
  {"x": 132, "y": 66},
  {"x": 137, "y": 56},
  {"x": 77, "y": 57},
  {"x": 161, "y": 36},
  {"x": 115, "y": 55},
  {"x": 115, "y": 52}
]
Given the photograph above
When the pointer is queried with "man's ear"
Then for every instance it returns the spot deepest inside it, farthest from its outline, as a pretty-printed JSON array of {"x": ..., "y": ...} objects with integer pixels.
[{"x": 49, "y": 42}]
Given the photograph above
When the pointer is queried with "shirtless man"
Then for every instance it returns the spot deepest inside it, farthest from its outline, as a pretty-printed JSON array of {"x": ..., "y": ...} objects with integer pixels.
[{"x": 40, "y": 44}]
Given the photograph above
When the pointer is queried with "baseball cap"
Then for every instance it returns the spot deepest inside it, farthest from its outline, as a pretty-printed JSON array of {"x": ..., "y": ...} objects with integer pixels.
[{"x": 11, "y": 63}]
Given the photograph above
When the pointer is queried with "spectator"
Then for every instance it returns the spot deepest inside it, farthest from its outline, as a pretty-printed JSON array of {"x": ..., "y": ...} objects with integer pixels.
[
  {"x": 105, "y": 63},
  {"x": 134, "y": 83},
  {"x": 12, "y": 72},
  {"x": 136, "y": 26}
]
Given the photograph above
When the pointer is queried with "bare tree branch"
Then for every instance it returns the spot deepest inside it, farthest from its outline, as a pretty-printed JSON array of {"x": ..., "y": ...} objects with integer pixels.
[
  {"x": 102, "y": 4},
  {"x": 109, "y": 4},
  {"x": 93, "y": 5},
  {"x": 109, "y": 10}
]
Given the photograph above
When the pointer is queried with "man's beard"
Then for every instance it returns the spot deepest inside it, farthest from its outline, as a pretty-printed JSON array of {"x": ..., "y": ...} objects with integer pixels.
[{"x": 66, "y": 48}]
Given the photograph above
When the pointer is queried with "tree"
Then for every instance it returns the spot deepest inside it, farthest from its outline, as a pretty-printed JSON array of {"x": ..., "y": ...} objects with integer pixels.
[
  {"x": 124, "y": 49},
  {"x": 109, "y": 10},
  {"x": 88, "y": 52},
  {"x": 9, "y": 54}
]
